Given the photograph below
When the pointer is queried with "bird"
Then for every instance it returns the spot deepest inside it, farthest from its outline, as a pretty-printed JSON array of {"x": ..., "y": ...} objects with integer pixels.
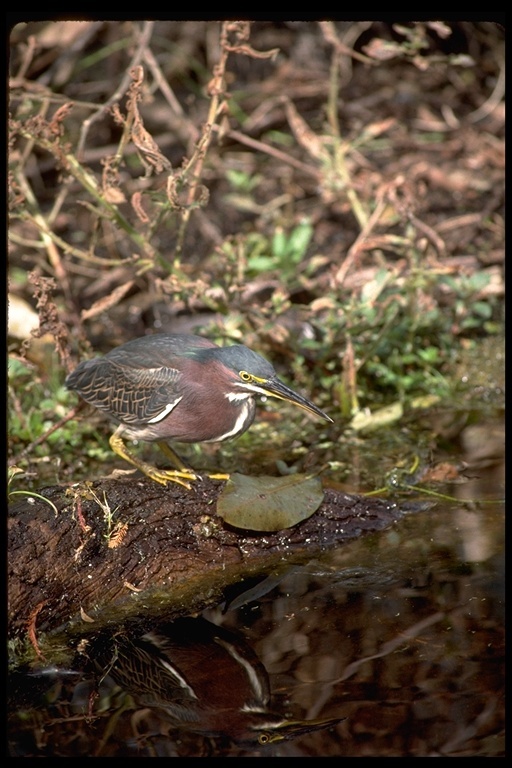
[
  {"x": 181, "y": 388},
  {"x": 201, "y": 677}
]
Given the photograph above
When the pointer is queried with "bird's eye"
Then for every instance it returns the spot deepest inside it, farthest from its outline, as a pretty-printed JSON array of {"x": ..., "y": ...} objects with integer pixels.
[{"x": 245, "y": 376}]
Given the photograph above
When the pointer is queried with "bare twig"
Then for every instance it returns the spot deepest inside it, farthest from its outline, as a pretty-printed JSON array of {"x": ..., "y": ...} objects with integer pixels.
[
  {"x": 494, "y": 99},
  {"x": 273, "y": 152},
  {"x": 355, "y": 248},
  {"x": 218, "y": 92},
  {"x": 147, "y": 31},
  {"x": 329, "y": 33}
]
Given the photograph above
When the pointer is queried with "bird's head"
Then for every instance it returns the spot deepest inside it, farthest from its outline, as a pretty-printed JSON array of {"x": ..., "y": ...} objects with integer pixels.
[{"x": 242, "y": 372}]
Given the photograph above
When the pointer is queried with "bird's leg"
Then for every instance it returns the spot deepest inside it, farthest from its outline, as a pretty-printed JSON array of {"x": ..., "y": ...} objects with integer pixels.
[
  {"x": 182, "y": 476},
  {"x": 173, "y": 456}
]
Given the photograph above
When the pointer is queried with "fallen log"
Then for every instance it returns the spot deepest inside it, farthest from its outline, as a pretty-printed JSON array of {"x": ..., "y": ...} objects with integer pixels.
[{"x": 107, "y": 551}]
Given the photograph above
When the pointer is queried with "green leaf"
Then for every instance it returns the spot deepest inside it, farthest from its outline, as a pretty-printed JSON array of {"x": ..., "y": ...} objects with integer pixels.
[
  {"x": 279, "y": 243},
  {"x": 269, "y": 503},
  {"x": 299, "y": 240}
]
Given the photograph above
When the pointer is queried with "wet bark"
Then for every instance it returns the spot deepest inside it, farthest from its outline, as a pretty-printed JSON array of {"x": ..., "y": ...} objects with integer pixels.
[{"x": 116, "y": 548}]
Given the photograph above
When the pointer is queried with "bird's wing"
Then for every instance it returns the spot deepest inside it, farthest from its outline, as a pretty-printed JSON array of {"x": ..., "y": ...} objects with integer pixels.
[
  {"x": 130, "y": 395},
  {"x": 147, "y": 394}
]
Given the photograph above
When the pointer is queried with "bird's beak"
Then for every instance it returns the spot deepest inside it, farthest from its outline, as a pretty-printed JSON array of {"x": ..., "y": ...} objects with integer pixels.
[
  {"x": 276, "y": 388},
  {"x": 291, "y": 729}
]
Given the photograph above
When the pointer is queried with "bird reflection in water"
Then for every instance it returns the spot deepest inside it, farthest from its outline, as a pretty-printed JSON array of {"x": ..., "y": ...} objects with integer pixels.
[{"x": 205, "y": 679}]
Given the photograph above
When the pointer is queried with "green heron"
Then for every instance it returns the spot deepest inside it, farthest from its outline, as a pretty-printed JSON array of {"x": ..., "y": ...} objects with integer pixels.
[
  {"x": 203, "y": 678},
  {"x": 182, "y": 388}
]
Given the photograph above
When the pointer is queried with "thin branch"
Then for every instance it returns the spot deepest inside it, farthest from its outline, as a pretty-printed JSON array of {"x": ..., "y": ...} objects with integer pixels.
[
  {"x": 147, "y": 31},
  {"x": 260, "y": 146}
]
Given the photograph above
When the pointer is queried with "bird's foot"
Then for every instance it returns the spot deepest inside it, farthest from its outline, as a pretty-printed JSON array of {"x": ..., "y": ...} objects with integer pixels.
[{"x": 164, "y": 476}]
